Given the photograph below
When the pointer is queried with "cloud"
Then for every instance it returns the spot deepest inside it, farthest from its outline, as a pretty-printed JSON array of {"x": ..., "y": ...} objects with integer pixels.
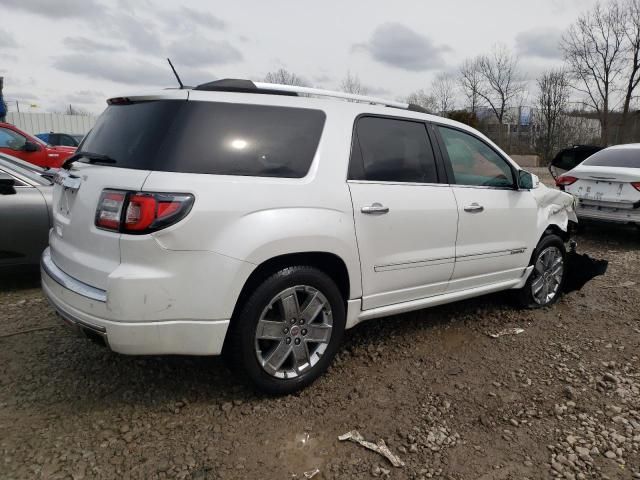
[
  {"x": 194, "y": 53},
  {"x": 377, "y": 91},
  {"x": 8, "y": 57},
  {"x": 57, "y": 8},
  {"x": 7, "y": 40},
  {"x": 185, "y": 18},
  {"x": 140, "y": 34},
  {"x": 398, "y": 46},
  {"x": 541, "y": 42},
  {"x": 138, "y": 72},
  {"x": 84, "y": 44},
  {"x": 20, "y": 95},
  {"x": 85, "y": 97}
]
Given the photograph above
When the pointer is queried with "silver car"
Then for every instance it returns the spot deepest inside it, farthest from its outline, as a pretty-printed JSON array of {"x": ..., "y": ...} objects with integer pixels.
[{"x": 25, "y": 211}]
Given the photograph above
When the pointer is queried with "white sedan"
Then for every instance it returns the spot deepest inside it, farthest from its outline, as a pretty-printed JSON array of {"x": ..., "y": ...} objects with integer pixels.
[{"x": 607, "y": 185}]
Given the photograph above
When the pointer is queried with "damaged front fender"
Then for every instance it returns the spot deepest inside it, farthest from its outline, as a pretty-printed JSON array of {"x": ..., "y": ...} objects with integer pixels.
[{"x": 554, "y": 208}]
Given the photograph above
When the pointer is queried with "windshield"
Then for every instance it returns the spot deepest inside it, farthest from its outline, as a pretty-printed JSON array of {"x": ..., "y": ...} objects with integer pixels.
[
  {"x": 40, "y": 141},
  {"x": 208, "y": 137},
  {"x": 615, "y": 157}
]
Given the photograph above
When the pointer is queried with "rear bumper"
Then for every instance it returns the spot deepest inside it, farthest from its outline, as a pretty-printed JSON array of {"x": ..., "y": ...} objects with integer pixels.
[
  {"x": 86, "y": 309},
  {"x": 625, "y": 215}
]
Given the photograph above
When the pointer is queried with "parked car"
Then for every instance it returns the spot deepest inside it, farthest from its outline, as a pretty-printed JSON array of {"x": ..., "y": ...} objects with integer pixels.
[
  {"x": 17, "y": 143},
  {"x": 64, "y": 139},
  {"x": 268, "y": 223},
  {"x": 607, "y": 185},
  {"x": 569, "y": 158},
  {"x": 25, "y": 211}
]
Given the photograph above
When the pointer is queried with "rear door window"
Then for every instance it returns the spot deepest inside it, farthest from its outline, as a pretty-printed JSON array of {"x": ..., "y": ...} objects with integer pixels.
[
  {"x": 208, "y": 137},
  {"x": 392, "y": 150}
]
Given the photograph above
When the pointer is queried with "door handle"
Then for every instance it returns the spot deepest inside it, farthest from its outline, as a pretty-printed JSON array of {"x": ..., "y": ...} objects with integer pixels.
[
  {"x": 474, "y": 208},
  {"x": 375, "y": 209}
]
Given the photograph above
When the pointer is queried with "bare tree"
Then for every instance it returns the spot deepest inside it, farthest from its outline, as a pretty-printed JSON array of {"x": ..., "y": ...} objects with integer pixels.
[
  {"x": 444, "y": 91},
  {"x": 424, "y": 100},
  {"x": 351, "y": 84},
  {"x": 553, "y": 98},
  {"x": 501, "y": 83},
  {"x": 471, "y": 81},
  {"x": 594, "y": 50},
  {"x": 284, "y": 77},
  {"x": 632, "y": 36}
]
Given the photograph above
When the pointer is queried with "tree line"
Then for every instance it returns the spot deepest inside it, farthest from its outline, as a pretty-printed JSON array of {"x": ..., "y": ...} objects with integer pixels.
[{"x": 600, "y": 73}]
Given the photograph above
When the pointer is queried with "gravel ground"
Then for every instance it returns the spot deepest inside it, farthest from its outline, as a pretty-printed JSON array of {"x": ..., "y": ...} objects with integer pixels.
[{"x": 559, "y": 400}]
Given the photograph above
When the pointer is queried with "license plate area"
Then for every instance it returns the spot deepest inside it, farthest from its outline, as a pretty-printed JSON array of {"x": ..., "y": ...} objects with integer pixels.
[{"x": 601, "y": 191}]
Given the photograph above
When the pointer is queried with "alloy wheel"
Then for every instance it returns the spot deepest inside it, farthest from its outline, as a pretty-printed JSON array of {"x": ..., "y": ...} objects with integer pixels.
[
  {"x": 293, "y": 332},
  {"x": 547, "y": 275}
]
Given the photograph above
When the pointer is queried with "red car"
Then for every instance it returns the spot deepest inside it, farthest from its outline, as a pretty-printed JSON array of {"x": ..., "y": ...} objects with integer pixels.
[{"x": 14, "y": 141}]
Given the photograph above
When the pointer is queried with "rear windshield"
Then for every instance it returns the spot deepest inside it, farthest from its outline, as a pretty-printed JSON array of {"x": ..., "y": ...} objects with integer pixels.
[
  {"x": 615, "y": 157},
  {"x": 207, "y": 137}
]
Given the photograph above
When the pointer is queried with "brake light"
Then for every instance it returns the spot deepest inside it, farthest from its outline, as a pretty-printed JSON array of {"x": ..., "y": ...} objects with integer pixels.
[
  {"x": 565, "y": 180},
  {"x": 636, "y": 185},
  {"x": 140, "y": 212},
  {"x": 110, "y": 209}
]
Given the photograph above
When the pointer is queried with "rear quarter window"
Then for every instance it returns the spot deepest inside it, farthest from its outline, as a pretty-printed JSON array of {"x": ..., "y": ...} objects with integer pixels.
[{"x": 209, "y": 137}]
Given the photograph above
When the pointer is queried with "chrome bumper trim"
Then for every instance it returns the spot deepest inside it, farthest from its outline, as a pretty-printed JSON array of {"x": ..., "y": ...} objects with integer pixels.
[{"x": 68, "y": 281}]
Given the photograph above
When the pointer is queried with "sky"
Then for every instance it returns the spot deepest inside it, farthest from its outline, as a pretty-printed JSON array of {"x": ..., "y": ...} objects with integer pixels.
[{"x": 80, "y": 52}]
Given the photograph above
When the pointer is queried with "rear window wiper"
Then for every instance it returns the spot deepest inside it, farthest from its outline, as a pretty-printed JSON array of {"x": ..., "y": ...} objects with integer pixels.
[{"x": 92, "y": 157}]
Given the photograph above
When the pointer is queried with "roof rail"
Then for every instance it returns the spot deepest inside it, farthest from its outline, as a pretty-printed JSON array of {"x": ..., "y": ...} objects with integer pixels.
[
  {"x": 247, "y": 86},
  {"x": 330, "y": 93}
]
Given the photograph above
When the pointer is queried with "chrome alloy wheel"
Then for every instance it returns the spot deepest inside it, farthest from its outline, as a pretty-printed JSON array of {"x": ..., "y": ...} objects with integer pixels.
[
  {"x": 547, "y": 275},
  {"x": 293, "y": 331}
]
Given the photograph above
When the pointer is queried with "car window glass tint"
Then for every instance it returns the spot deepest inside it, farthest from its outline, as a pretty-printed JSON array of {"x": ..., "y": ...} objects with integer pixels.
[
  {"x": 208, "y": 137},
  {"x": 11, "y": 139},
  {"x": 615, "y": 157},
  {"x": 394, "y": 150},
  {"x": 474, "y": 162},
  {"x": 66, "y": 141},
  {"x": 566, "y": 160}
]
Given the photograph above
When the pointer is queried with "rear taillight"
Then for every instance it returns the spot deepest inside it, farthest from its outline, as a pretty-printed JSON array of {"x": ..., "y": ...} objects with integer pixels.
[
  {"x": 140, "y": 212},
  {"x": 636, "y": 185},
  {"x": 565, "y": 180}
]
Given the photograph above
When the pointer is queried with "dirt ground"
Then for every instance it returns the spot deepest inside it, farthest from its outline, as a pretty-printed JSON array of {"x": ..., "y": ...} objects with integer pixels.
[{"x": 559, "y": 400}]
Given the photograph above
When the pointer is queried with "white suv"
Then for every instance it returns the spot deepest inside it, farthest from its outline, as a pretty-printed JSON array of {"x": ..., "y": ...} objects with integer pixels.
[{"x": 260, "y": 221}]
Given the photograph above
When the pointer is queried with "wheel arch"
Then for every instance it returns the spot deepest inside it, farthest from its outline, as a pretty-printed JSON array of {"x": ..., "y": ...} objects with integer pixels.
[
  {"x": 329, "y": 263},
  {"x": 552, "y": 229}
]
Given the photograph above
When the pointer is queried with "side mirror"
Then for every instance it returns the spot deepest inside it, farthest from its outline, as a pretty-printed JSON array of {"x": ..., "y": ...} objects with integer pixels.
[
  {"x": 30, "y": 147},
  {"x": 527, "y": 181},
  {"x": 7, "y": 183}
]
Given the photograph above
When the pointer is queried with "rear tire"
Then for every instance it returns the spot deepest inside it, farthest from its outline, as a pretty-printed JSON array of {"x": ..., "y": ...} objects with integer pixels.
[
  {"x": 544, "y": 285},
  {"x": 288, "y": 330}
]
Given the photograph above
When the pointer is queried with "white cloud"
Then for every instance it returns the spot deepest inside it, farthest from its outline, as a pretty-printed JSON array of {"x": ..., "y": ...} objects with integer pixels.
[{"x": 397, "y": 45}]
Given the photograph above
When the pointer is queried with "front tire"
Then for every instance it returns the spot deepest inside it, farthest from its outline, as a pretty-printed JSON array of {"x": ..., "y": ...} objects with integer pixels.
[
  {"x": 288, "y": 330},
  {"x": 544, "y": 285}
]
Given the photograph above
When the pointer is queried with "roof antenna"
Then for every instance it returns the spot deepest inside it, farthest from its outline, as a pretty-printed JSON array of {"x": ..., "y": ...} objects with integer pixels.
[{"x": 175, "y": 73}]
